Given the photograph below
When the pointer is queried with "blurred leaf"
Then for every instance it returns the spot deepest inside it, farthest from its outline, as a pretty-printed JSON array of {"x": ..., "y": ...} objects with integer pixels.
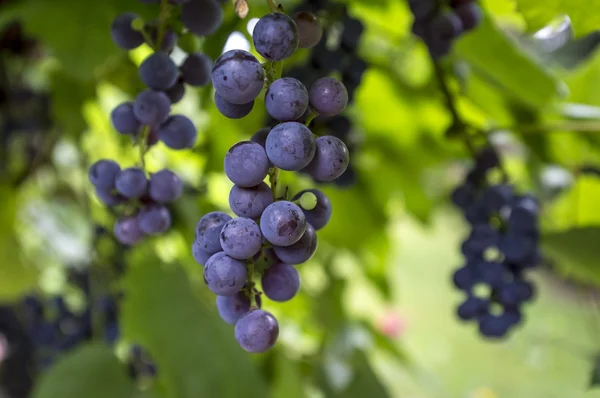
[
  {"x": 577, "y": 51},
  {"x": 288, "y": 381},
  {"x": 496, "y": 58},
  {"x": 576, "y": 207},
  {"x": 365, "y": 382},
  {"x": 91, "y": 371},
  {"x": 575, "y": 252},
  {"x": 195, "y": 351},
  {"x": 595, "y": 376},
  {"x": 68, "y": 97},
  {"x": 585, "y": 15}
]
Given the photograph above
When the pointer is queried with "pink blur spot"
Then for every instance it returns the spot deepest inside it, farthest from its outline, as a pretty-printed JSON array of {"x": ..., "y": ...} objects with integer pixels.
[{"x": 392, "y": 324}]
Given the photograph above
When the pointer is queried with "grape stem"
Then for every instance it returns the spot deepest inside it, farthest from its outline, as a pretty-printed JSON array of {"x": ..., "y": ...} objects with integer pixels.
[
  {"x": 162, "y": 17},
  {"x": 273, "y": 6},
  {"x": 273, "y": 180},
  {"x": 143, "y": 144}
]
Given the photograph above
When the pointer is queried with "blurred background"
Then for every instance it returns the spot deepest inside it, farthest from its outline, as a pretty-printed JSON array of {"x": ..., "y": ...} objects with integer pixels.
[{"x": 376, "y": 315}]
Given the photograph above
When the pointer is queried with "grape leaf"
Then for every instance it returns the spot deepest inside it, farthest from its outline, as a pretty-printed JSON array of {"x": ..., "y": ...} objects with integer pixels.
[
  {"x": 585, "y": 15},
  {"x": 575, "y": 252},
  {"x": 91, "y": 371},
  {"x": 195, "y": 351},
  {"x": 496, "y": 58},
  {"x": 595, "y": 374}
]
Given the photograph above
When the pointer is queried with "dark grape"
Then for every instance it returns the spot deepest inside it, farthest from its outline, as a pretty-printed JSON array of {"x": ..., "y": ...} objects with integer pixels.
[
  {"x": 109, "y": 197},
  {"x": 246, "y": 164},
  {"x": 123, "y": 34},
  {"x": 275, "y": 36},
  {"x": 250, "y": 202},
  {"x": 202, "y": 17},
  {"x": 241, "y": 238},
  {"x": 257, "y": 331},
  {"x": 127, "y": 231},
  {"x": 321, "y": 214},
  {"x": 158, "y": 71},
  {"x": 176, "y": 92},
  {"x": 310, "y": 30},
  {"x": 281, "y": 282},
  {"x": 290, "y": 146},
  {"x": 123, "y": 119},
  {"x": 152, "y": 107},
  {"x": 178, "y": 132},
  {"x": 103, "y": 173},
  {"x": 232, "y": 111},
  {"x": 208, "y": 231},
  {"x": 199, "y": 254},
  {"x": 238, "y": 77},
  {"x": 301, "y": 251},
  {"x": 224, "y": 276},
  {"x": 330, "y": 161},
  {"x": 328, "y": 96},
  {"x": 165, "y": 186},
  {"x": 154, "y": 220},
  {"x": 283, "y": 223},
  {"x": 196, "y": 69},
  {"x": 131, "y": 182},
  {"x": 286, "y": 99},
  {"x": 232, "y": 308},
  {"x": 470, "y": 15}
]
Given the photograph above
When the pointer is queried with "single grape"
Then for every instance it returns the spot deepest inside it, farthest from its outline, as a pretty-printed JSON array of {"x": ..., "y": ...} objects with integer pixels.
[
  {"x": 123, "y": 119},
  {"x": 463, "y": 196},
  {"x": 472, "y": 308},
  {"x": 103, "y": 173},
  {"x": 224, "y": 276},
  {"x": 301, "y": 251},
  {"x": 241, "y": 238},
  {"x": 232, "y": 308},
  {"x": 202, "y": 17},
  {"x": 131, "y": 182},
  {"x": 328, "y": 96},
  {"x": 512, "y": 316},
  {"x": 493, "y": 326},
  {"x": 321, "y": 214},
  {"x": 109, "y": 197},
  {"x": 232, "y": 111},
  {"x": 176, "y": 92},
  {"x": 208, "y": 231},
  {"x": 158, "y": 71},
  {"x": 127, "y": 231},
  {"x": 246, "y": 164},
  {"x": 281, "y": 282},
  {"x": 165, "y": 186},
  {"x": 524, "y": 215},
  {"x": 286, "y": 99},
  {"x": 283, "y": 223},
  {"x": 290, "y": 146},
  {"x": 310, "y": 30},
  {"x": 152, "y": 107},
  {"x": 196, "y": 69},
  {"x": 275, "y": 36},
  {"x": 238, "y": 77},
  {"x": 123, "y": 34},
  {"x": 250, "y": 202},
  {"x": 465, "y": 278},
  {"x": 178, "y": 132},
  {"x": 154, "y": 220},
  {"x": 331, "y": 159},
  {"x": 257, "y": 331},
  {"x": 516, "y": 247},
  {"x": 201, "y": 256},
  {"x": 470, "y": 15}
]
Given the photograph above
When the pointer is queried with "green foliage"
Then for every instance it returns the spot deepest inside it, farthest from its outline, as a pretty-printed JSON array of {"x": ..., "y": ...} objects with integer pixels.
[
  {"x": 90, "y": 371},
  {"x": 584, "y": 14},
  {"x": 195, "y": 351},
  {"x": 576, "y": 252}
]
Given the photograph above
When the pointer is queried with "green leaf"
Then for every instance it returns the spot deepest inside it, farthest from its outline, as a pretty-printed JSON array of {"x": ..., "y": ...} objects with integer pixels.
[
  {"x": 577, "y": 51},
  {"x": 595, "y": 376},
  {"x": 288, "y": 381},
  {"x": 194, "y": 349},
  {"x": 496, "y": 58},
  {"x": 575, "y": 252},
  {"x": 585, "y": 15},
  {"x": 91, "y": 371}
]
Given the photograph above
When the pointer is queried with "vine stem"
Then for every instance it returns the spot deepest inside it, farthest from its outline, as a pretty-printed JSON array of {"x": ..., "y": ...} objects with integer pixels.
[
  {"x": 162, "y": 17},
  {"x": 273, "y": 6},
  {"x": 143, "y": 144},
  {"x": 274, "y": 180}
]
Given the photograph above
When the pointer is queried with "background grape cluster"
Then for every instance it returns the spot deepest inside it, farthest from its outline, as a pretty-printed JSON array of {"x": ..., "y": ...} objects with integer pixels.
[
  {"x": 271, "y": 233},
  {"x": 501, "y": 248},
  {"x": 440, "y": 26}
]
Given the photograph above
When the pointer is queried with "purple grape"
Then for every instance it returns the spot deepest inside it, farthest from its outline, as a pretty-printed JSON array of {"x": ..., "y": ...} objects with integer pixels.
[
  {"x": 472, "y": 308},
  {"x": 208, "y": 231},
  {"x": 321, "y": 214},
  {"x": 281, "y": 282},
  {"x": 131, "y": 182},
  {"x": 286, "y": 99},
  {"x": 176, "y": 92},
  {"x": 331, "y": 159},
  {"x": 301, "y": 251},
  {"x": 290, "y": 146},
  {"x": 103, "y": 173},
  {"x": 260, "y": 137},
  {"x": 165, "y": 186},
  {"x": 224, "y": 275},
  {"x": 178, "y": 132},
  {"x": 310, "y": 30},
  {"x": 463, "y": 196},
  {"x": 493, "y": 326},
  {"x": 257, "y": 331},
  {"x": 158, "y": 71},
  {"x": 152, "y": 107},
  {"x": 127, "y": 231},
  {"x": 446, "y": 26},
  {"x": 497, "y": 197},
  {"x": 250, "y": 202},
  {"x": 516, "y": 247},
  {"x": 524, "y": 215},
  {"x": 232, "y": 111},
  {"x": 123, "y": 119},
  {"x": 246, "y": 164},
  {"x": 465, "y": 278},
  {"x": 196, "y": 69},
  {"x": 241, "y": 238},
  {"x": 283, "y": 223},
  {"x": 154, "y": 220},
  {"x": 238, "y": 77},
  {"x": 123, "y": 34},
  {"x": 199, "y": 254},
  {"x": 470, "y": 15},
  {"x": 328, "y": 96},
  {"x": 232, "y": 308},
  {"x": 109, "y": 197},
  {"x": 275, "y": 36},
  {"x": 202, "y": 17}
]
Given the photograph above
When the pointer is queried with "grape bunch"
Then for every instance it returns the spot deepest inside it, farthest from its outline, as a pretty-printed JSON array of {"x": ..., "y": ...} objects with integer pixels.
[
  {"x": 147, "y": 119},
  {"x": 439, "y": 25},
  {"x": 270, "y": 233},
  {"x": 502, "y": 246}
]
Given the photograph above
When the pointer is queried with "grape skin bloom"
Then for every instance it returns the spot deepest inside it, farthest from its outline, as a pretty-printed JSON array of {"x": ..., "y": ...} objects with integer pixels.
[
  {"x": 224, "y": 276},
  {"x": 238, "y": 77},
  {"x": 257, "y": 331},
  {"x": 291, "y": 146},
  {"x": 246, "y": 164}
]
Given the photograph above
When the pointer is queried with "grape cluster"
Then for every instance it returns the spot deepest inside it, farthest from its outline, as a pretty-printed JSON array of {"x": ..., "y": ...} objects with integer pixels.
[
  {"x": 270, "y": 234},
  {"x": 440, "y": 26},
  {"x": 147, "y": 119},
  {"x": 502, "y": 246}
]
